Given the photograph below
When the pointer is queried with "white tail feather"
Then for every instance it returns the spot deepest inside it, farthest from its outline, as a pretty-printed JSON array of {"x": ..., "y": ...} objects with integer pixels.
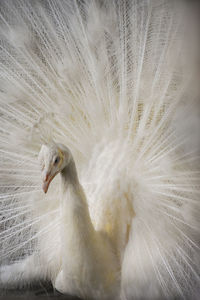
[{"x": 115, "y": 81}]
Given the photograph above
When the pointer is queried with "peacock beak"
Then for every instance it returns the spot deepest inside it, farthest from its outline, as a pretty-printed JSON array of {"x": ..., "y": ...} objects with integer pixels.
[{"x": 47, "y": 180}]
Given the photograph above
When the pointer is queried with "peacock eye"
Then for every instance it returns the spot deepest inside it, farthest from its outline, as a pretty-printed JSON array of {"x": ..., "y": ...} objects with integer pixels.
[{"x": 56, "y": 160}]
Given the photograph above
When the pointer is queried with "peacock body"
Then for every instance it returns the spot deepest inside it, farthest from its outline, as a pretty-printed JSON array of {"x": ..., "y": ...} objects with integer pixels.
[{"x": 114, "y": 81}]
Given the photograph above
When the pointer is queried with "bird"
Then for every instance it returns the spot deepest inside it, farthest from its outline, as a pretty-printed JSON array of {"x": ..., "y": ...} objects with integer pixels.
[{"x": 99, "y": 143}]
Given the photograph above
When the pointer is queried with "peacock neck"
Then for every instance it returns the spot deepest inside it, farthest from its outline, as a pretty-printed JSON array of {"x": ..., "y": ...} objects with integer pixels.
[
  {"x": 69, "y": 176},
  {"x": 82, "y": 249},
  {"x": 78, "y": 227}
]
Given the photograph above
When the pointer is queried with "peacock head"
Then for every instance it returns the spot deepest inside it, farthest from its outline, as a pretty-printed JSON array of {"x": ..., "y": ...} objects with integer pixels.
[{"x": 53, "y": 159}]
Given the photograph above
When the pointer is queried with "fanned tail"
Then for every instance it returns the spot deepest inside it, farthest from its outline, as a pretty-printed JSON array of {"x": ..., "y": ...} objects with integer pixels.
[{"x": 116, "y": 82}]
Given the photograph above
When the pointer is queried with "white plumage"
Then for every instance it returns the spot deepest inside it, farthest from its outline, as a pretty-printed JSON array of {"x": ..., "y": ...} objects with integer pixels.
[{"x": 115, "y": 82}]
